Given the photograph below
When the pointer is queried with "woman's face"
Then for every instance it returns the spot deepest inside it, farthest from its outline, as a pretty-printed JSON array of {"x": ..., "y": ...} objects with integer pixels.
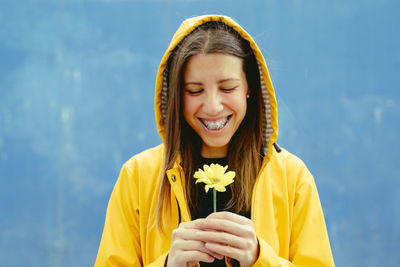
[{"x": 214, "y": 99}]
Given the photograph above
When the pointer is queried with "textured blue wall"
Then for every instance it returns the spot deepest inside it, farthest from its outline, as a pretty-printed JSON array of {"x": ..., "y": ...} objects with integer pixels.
[{"x": 76, "y": 101}]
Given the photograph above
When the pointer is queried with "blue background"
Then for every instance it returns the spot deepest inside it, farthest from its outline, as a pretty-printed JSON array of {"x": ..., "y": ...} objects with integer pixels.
[{"x": 76, "y": 101}]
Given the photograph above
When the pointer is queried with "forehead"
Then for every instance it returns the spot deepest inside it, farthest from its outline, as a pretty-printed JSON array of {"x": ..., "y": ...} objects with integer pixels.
[{"x": 213, "y": 65}]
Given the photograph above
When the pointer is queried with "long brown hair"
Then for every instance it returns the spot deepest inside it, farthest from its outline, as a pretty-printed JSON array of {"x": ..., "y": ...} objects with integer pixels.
[{"x": 244, "y": 152}]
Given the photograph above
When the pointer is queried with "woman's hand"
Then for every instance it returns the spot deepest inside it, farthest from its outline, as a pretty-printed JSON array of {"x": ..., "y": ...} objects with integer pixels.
[
  {"x": 188, "y": 248},
  {"x": 230, "y": 235}
]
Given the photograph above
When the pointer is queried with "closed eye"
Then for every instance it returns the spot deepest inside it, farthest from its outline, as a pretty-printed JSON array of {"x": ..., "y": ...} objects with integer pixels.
[
  {"x": 228, "y": 89},
  {"x": 194, "y": 92}
]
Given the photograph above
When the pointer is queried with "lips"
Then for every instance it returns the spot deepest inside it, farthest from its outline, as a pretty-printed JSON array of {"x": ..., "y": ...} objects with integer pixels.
[{"x": 215, "y": 124}]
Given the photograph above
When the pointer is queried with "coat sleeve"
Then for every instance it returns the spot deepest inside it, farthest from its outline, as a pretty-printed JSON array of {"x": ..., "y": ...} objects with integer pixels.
[
  {"x": 309, "y": 243},
  {"x": 120, "y": 243}
]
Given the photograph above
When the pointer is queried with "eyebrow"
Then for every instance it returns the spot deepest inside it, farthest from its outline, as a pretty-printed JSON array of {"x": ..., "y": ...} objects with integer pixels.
[{"x": 220, "y": 81}]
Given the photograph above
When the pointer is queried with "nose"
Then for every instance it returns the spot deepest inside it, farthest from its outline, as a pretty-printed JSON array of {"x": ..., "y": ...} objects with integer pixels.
[{"x": 212, "y": 103}]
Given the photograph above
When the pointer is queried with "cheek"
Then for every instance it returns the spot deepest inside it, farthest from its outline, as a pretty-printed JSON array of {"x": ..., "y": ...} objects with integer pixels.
[
  {"x": 188, "y": 107},
  {"x": 239, "y": 104},
  {"x": 243, "y": 108}
]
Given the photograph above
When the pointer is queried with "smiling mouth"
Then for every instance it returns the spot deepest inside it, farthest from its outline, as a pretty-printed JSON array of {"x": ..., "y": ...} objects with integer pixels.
[{"x": 216, "y": 125}]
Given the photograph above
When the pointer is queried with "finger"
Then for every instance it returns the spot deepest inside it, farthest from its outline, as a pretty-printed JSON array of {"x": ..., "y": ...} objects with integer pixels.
[
  {"x": 186, "y": 230},
  {"x": 188, "y": 225},
  {"x": 186, "y": 239},
  {"x": 194, "y": 245},
  {"x": 229, "y": 216},
  {"x": 224, "y": 238},
  {"x": 190, "y": 256},
  {"x": 223, "y": 225},
  {"x": 246, "y": 257},
  {"x": 188, "y": 251},
  {"x": 228, "y": 251}
]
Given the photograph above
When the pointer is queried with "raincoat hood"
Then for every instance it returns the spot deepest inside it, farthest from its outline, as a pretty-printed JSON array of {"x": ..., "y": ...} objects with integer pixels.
[{"x": 270, "y": 120}]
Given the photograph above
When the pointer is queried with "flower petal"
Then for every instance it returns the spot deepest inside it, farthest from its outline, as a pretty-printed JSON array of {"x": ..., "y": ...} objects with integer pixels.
[
  {"x": 229, "y": 175},
  {"x": 207, "y": 187},
  {"x": 207, "y": 169},
  {"x": 220, "y": 188}
]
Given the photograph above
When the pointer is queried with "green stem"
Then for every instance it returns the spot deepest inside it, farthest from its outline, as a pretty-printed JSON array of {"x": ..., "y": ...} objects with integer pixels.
[
  {"x": 215, "y": 199},
  {"x": 215, "y": 208}
]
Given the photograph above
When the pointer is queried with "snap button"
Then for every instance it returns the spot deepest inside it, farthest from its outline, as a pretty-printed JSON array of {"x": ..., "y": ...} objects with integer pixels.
[{"x": 173, "y": 178}]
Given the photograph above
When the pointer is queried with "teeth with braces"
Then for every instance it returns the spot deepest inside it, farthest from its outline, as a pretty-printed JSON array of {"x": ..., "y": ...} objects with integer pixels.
[{"x": 215, "y": 125}]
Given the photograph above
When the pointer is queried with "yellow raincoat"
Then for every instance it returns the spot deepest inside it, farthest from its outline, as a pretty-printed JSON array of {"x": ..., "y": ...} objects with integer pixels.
[{"x": 286, "y": 210}]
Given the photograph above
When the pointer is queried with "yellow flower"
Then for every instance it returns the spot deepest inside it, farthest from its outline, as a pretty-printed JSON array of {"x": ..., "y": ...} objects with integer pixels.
[{"x": 214, "y": 176}]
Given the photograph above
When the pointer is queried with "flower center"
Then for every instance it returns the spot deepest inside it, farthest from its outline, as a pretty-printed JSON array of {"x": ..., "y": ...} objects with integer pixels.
[{"x": 215, "y": 180}]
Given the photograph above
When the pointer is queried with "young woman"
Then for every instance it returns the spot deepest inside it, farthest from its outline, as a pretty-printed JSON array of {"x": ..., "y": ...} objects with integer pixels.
[{"x": 214, "y": 103}]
